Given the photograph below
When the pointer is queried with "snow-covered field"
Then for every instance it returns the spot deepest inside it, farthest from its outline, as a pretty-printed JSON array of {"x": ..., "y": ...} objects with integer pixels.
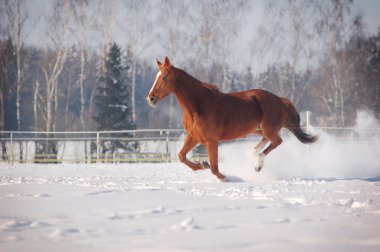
[
  {"x": 167, "y": 207},
  {"x": 322, "y": 197}
]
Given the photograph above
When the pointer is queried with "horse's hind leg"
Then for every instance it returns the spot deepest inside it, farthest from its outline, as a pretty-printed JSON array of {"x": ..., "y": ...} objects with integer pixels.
[
  {"x": 275, "y": 140},
  {"x": 260, "y": 146},
  {"x": 189, "y": 144}
]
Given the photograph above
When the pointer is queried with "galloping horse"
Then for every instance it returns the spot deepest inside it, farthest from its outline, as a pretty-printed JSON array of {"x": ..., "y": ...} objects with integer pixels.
[{"x": 210, "y": 116}]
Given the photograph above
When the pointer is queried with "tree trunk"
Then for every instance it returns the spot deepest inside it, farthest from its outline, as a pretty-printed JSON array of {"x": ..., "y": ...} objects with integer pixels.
[
  {"x": 35, "y": 104},
  {"x": 83, "y": 21},
  {"x": 55, "y": 114},
  {"x": 18, "y": 66},
  {"x": 4, "y": 155},
  {"x": 67, "y": 104},
  {"x": 134, "y": 65},
  {"x": 82, "y": 95}
]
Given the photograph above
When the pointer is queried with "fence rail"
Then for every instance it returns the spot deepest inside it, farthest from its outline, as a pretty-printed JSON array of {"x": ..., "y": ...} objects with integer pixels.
[{"x": 142, "y": 145}]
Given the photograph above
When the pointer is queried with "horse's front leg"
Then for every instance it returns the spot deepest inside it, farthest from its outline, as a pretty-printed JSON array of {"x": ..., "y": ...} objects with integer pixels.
[
  {"x": 189, "y": 144},
  {"x": 212, "y": 151}
]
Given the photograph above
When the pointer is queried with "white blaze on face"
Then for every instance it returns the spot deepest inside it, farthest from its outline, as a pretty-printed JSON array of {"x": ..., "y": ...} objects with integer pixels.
[{"x": 155, "y": 82}]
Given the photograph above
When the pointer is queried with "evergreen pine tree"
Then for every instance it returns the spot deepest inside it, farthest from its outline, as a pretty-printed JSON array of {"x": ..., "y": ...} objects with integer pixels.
[{"x": 113, "y": 100}]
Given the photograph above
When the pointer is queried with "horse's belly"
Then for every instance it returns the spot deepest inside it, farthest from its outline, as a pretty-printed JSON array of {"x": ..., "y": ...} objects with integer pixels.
[
  {"x": 239, "y": 118},
  {"x": 238, "y": 131},
  {"x": 232, "y": 136}
]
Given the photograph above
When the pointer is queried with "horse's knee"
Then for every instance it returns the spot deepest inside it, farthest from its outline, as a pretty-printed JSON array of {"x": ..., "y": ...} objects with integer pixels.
[
  {"x": 278, "y": 141},
  {"x": 274, "y": 143},
  {"x": 181, "y": 157}
]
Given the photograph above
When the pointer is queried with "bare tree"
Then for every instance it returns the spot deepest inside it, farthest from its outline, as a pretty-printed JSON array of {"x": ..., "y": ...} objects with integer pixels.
[
  {"x": 288, "y": 43},
  {"x": 54, "y": 65},
  {"x": 104, "y": 19},
  {"x": 206, "y": 35},
  {"x": 335, "y": 27},
  {"x": 138, "y": 28},
  {"x": 36, "y": 96},
  {"x": 174, "y": 31},
  {"x": 16, "y": 15},
  {"x": 219, "y": 26},
  {"x": 80, "y": 10},
  {"x": 175, "y": 37},
  {"x": 229, "y": 14},
  {"x": 7, "y": 63}
]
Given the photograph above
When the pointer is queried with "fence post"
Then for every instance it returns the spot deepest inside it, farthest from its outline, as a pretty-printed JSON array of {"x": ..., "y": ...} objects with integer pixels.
[
  {"x": 11, "y": 145},
  {"x": 26, "y": 151},
  {"x": 97, "y": 147},
  {"x": 168, "y": 158},
  {"x": 307, "y": 130},
  {"x": 307, "y": 120}
]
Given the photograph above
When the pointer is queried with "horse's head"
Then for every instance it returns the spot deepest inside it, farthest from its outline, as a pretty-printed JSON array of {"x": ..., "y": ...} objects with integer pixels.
[{"x": 163, "y": 84}]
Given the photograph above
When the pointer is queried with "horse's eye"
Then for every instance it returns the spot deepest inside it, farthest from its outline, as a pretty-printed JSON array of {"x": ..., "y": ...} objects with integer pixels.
[{"x": 165, "y": 77}]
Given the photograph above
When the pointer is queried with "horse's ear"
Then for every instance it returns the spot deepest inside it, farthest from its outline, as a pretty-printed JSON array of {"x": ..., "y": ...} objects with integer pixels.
[
  {"x": 167, "y": 61},
  {"x": 159, "y": 63}
]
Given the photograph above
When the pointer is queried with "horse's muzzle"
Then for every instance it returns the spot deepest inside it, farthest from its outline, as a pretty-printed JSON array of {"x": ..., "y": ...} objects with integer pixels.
[{"x": 152, "y": 101}]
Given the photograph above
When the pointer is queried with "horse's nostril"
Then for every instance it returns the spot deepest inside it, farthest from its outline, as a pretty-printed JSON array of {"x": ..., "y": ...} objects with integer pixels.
[{"x": 152, "y": 100}]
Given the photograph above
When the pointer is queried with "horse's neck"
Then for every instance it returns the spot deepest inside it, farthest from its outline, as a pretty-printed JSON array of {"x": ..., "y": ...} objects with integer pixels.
[{"x": 190, "y": 93}]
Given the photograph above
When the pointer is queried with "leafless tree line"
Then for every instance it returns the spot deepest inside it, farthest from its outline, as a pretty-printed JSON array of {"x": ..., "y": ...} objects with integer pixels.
[{"x": 298, "y": 51}]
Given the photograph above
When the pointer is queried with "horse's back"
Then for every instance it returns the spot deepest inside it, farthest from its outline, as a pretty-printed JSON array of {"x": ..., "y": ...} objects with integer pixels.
[
  {"x": 265, "y": 98},
  {"x": 273, "y": 108}
]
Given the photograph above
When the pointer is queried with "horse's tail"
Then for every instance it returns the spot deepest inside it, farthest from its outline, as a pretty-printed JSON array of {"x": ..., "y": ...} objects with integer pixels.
[{"x": 293, "y": 123}]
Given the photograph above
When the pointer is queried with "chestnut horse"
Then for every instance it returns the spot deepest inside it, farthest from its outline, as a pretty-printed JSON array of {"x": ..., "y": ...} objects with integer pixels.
[{"x": 210, "y": 116}]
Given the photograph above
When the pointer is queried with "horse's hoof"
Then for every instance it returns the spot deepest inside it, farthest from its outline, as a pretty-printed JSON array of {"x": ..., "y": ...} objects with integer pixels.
[
  {"x": 258, "y": 168},
  {"x": 223, "y": 178},
  {"x": 259, "y": 162},
  {"x": 205, "y": 165}
]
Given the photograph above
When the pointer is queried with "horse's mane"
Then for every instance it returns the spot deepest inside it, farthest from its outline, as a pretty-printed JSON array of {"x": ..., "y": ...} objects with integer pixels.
[{"x": 209, "y": 86}]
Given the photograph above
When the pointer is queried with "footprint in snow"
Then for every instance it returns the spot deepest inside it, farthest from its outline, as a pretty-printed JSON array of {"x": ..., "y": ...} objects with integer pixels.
[
  {"x": 100, "y": 192},
  {"x": 186, "y": 225},
  {"x": 16, "y": 224},
  {"x": 41, "y": 195},
  {"x": 232, "y": 179},
  {"x": 158, "y": 210},
  {"x": 59, "y": 234}
]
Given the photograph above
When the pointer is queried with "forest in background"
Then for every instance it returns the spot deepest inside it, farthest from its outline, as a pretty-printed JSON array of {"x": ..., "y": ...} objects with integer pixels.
[{"x": 316, "y": 53}]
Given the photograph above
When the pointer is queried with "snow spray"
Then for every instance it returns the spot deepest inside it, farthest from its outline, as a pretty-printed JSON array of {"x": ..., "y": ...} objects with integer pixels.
[{"x": 331, "y": 157}]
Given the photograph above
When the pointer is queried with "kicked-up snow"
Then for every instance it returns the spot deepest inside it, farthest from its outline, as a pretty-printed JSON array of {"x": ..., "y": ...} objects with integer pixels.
[{"x": 168, "y": 207}]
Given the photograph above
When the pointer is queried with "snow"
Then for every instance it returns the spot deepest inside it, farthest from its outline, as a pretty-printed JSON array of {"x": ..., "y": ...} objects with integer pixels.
[
  {"x": 168, "y": 207},
  {"x": 320, "y": 197}
]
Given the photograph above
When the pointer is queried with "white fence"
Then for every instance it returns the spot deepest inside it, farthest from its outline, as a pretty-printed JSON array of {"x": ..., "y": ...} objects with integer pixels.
[{"x": 143, "y": 145}]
